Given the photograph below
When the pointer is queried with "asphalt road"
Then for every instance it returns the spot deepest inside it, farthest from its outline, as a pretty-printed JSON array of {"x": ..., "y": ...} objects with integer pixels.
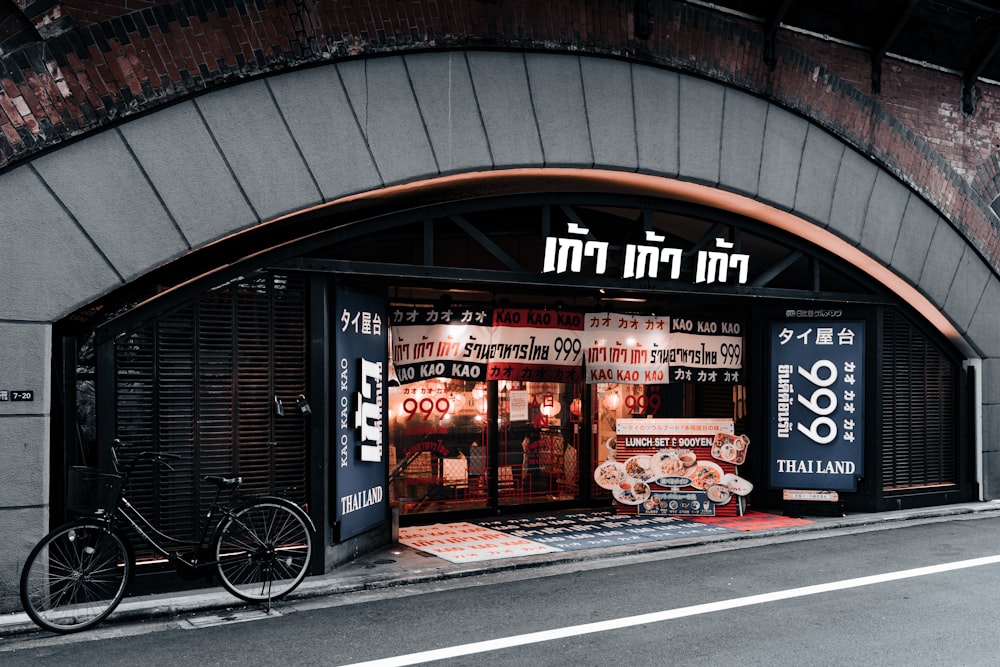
[{"x": 918, "y": 595}]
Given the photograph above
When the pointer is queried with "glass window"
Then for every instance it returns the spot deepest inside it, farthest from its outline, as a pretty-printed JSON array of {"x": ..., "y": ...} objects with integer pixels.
[{"x": 438, "y": 445}]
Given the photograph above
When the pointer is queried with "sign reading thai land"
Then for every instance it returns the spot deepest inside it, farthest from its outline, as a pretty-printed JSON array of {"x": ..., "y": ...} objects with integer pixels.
[{"x": 817, "y": 403}]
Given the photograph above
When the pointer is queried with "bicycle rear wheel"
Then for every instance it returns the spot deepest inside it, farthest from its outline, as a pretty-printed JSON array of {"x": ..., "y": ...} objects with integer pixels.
[
  {"x": 76, "y": 576},
  {"x": 263, "y": 550}
]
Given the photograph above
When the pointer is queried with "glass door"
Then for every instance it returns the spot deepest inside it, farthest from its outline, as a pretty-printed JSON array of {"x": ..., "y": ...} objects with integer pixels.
[
  {"x": 441, "y": 457},
  {"x": 539, "y": 433}
]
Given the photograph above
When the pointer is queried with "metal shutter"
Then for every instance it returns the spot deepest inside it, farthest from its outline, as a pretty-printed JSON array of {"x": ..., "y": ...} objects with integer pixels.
[
  {"x": 919, "y": 408},
  {"x": 201, "y": 381}
]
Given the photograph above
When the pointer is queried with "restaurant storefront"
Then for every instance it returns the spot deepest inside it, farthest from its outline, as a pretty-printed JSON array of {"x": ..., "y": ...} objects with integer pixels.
[
  {"x": 183, "y": 238},
  {"x": 514, "y": 353}
]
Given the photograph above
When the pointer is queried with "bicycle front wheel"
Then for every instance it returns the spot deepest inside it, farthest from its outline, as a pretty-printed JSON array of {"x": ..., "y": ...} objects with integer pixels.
[
  {"x": 263, "y": 550},
  {"x": 76, "y": 576}
]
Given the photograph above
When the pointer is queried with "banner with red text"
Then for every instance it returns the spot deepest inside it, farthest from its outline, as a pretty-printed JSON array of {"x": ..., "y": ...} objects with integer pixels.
[
  {"x": 536, "y": 345},
  {"x": 626, "y": 349},
  {"x": 705, "y": 350},
  {"x": 440, "y": 342},
  {"x": 646, "y": 349}
]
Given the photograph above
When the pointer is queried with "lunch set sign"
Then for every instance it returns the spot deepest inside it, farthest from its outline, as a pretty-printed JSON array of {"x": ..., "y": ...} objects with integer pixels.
[
  {"x": 681, "y": 467},
  {"x": 817, "y": 398}
]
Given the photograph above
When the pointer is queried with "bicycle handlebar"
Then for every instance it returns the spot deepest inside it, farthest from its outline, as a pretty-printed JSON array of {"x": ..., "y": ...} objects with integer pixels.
[{"x": 139, "y": 456}]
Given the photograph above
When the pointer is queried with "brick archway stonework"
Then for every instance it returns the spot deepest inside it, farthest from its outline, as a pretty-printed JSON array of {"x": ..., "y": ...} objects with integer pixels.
[{"x": 95, "y": 214}]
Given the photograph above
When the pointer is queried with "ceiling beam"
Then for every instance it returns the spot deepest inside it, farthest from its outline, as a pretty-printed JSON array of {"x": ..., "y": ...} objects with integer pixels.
[
  {"x": 771, "y": 33},
  {"x": 969, "y": 92},
  {"x": 878, "y": 53}
]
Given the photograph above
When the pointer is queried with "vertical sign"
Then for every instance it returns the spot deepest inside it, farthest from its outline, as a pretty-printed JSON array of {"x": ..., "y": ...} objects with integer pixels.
[
  {"x": 361, "y": 358},
  {"x": 817, "y": 398}
]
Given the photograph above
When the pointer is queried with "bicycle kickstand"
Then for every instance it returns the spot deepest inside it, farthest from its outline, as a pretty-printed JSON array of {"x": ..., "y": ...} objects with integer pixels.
[{"x": 267, "y": 605}]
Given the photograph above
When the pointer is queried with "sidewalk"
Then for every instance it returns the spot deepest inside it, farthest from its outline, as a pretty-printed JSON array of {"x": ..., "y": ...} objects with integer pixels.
[{"x": 399, "y": 565}]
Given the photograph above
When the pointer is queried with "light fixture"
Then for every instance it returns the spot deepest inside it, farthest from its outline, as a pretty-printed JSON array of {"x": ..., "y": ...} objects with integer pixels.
[
  {"x": 623, "y": 299},
  {"x": 551, "y": 409},
  {"x": 612, "y": 401}
]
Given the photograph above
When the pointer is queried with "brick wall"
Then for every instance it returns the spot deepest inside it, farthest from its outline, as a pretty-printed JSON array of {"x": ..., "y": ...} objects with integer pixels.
[{"x": 117, "y": 58}]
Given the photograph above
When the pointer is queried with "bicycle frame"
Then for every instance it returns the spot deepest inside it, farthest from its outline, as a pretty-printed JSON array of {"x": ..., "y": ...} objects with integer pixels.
[{"x": 156, "y": 538}]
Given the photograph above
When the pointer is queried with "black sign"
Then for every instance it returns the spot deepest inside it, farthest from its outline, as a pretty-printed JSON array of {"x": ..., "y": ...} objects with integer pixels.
[
  {"x": 26, "y": 395},
  {"x": 361, "y": 366},
  {"x": 817, "y": 403}
]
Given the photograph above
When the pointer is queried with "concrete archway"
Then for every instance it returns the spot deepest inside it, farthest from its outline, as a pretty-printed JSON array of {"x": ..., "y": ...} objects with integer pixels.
[{"x": 103, "y": 211}]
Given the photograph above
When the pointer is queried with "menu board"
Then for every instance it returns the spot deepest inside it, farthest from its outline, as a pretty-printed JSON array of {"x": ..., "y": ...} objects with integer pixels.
[{"x": 680, "y": 467}]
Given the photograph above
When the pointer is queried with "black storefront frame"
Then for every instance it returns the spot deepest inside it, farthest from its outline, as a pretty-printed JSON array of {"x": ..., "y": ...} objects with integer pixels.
[
  {"x": 870, "y": 495},
  {"x": 319, "y": 231}
]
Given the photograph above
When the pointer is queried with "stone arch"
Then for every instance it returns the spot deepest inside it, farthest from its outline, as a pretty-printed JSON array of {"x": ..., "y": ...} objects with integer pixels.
[
  {"x": 98, "y": 213},
  {"x": 137, "y": 196}
]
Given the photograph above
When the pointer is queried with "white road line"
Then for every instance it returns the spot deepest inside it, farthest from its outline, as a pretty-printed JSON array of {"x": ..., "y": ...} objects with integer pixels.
[{"x": 668, "y": 614}]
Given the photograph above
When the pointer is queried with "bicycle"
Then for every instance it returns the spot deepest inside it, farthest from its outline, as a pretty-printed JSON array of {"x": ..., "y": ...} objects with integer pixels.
[{"x": 74, "y": 578}]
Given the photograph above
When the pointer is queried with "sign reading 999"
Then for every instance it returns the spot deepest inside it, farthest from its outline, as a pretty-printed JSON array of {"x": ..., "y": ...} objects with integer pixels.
[{"x": 817, "y": 398}]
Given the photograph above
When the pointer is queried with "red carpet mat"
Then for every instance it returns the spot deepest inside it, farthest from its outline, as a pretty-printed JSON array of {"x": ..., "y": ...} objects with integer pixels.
[{"x": 753, "y": 521}]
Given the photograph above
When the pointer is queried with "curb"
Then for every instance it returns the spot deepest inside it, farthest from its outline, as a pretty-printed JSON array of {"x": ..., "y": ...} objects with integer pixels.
[{"x": 356, "y": 575}]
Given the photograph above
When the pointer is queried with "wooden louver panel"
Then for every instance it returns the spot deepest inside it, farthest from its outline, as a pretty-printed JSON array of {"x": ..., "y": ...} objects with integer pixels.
[
  {"x": 919, "y": 408},
  {"x": 201, "y": 382}
]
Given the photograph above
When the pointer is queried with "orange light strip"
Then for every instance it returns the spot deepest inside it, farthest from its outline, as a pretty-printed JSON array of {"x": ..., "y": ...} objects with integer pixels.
[
  {"x": 511, "y": 181},
  {"x": 647, "y": 185}
]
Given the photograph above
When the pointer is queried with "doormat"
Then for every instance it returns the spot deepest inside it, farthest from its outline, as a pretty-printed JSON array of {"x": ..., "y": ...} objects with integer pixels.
[
  {"x": 467, "y": 542},
  {"x": 752, "y": 521},
  {"x": 594, "y": 530}
]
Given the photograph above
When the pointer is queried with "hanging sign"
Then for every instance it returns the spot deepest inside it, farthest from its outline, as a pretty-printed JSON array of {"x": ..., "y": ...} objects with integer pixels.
[
  {"x": 359, "y": 461},
  {"x": 440, "y": 342},
  {"x": 553, "y": 346},
  {"x": 626, "y": 349},
  {"x": 705, "y": 350},
  {"x": 640, "y": 349},
  {"x": 817, "y": 403},
  {"x": 536, "y": 345}
]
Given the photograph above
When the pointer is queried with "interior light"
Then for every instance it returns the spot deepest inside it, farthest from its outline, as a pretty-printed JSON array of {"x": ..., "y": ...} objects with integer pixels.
[{"x": 551, "y": 409}]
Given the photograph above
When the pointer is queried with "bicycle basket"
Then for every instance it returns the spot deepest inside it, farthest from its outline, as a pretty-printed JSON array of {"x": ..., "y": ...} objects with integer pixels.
[{"x": 91, "y": 491}]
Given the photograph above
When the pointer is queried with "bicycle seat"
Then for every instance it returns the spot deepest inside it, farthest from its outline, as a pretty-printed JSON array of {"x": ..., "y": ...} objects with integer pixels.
[{"x": 223, "y": 482}]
